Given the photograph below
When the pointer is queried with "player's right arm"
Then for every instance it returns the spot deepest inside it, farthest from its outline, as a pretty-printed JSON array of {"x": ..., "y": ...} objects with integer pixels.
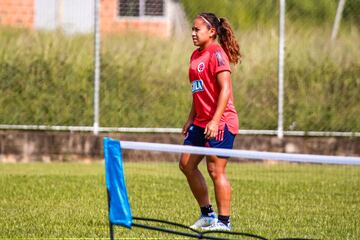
[{"x": 190, "y": 120}]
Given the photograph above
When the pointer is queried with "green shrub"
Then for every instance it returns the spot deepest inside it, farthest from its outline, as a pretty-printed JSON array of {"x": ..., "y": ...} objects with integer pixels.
[
  {"x": 246, "y": 14},
  {"x": 47, "y": 78}
]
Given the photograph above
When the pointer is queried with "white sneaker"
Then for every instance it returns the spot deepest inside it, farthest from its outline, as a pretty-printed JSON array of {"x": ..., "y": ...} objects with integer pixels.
[
  {"x": 204, "y": 221},
  {"x": 218, "y": 226}
]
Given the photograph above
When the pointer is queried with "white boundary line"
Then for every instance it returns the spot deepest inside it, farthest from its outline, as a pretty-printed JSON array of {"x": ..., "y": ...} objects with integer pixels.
[
  {"x": 171, "y": 130},
  {"x": 289, "y": 157}
]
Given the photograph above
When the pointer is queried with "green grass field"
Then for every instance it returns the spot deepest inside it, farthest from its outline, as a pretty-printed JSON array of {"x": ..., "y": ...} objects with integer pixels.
[{"x": 68, "y": 200}]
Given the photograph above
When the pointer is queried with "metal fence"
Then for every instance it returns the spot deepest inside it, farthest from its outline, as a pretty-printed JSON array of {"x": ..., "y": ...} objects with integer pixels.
[{"x": 121, "y": 65}]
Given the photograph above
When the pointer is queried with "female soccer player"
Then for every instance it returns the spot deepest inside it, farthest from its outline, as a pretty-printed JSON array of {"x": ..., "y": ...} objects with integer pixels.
[{"x": 213, "y": 120}]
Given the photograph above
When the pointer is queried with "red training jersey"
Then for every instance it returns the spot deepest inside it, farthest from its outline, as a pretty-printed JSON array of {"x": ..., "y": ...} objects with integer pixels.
[{"x": 204, "y": 67}]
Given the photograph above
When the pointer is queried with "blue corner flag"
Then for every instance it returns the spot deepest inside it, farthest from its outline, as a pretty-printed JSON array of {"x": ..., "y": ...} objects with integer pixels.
[{"x": 119, "y": 207}]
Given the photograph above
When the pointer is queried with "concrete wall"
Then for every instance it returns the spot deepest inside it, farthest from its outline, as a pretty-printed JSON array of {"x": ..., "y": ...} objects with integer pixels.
[
  {"x": 73, "y": 16},
  {"x": 27, "y": 146}
]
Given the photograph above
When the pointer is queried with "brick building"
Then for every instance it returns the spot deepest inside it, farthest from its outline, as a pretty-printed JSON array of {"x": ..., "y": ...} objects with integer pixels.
[
  {"x": 17, "y": 13},
  {"x": 156, "y": 17}
]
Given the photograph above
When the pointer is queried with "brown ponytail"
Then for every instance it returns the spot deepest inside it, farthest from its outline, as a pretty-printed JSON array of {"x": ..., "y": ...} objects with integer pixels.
[{"x": 226, "y": 36}]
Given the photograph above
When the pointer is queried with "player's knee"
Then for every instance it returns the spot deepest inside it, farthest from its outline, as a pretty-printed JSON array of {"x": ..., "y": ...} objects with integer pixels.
[
  {"x": 183, "y": 167},
  {"x": 186, "y": 168},
  {"x": 214, "y": 173}
]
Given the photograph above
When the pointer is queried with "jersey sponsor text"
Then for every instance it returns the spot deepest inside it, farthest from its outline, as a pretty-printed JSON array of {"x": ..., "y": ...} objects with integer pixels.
[{"x": 197, "y": 86}]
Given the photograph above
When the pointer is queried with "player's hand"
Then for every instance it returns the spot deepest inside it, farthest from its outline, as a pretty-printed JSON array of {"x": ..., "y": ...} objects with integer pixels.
[
  {"x": 211, "y": 129},
  {"x": 186, "y": 127}
]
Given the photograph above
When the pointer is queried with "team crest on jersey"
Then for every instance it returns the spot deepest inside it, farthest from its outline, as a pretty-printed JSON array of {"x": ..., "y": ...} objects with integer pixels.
[
  {"x": 201, "y": 67},
  {"x": 197, "y": 86},
  {"x": 219, "y": 58}
]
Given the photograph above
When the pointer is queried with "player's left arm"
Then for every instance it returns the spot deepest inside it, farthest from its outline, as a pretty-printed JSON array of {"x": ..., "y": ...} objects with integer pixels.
[{"x": 224, "y": 81}]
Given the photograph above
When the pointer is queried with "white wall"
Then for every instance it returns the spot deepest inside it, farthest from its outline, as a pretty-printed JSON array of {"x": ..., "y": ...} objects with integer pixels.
[
  {"x": 45, "y": 14},
  {"x": 72, "y": 16}
]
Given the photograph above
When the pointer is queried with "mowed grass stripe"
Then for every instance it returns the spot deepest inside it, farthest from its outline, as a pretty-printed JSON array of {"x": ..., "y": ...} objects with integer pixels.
[{"x": 68, "y": 200}]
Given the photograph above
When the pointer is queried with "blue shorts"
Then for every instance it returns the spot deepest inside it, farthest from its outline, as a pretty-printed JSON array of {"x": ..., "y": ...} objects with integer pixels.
[{"x": 196, "y": 137}]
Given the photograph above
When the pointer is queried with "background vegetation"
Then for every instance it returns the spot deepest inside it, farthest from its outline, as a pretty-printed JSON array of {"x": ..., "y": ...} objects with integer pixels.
[
  {"x": 245, "y": 14},
  {"x": 47, "y": 78}
]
